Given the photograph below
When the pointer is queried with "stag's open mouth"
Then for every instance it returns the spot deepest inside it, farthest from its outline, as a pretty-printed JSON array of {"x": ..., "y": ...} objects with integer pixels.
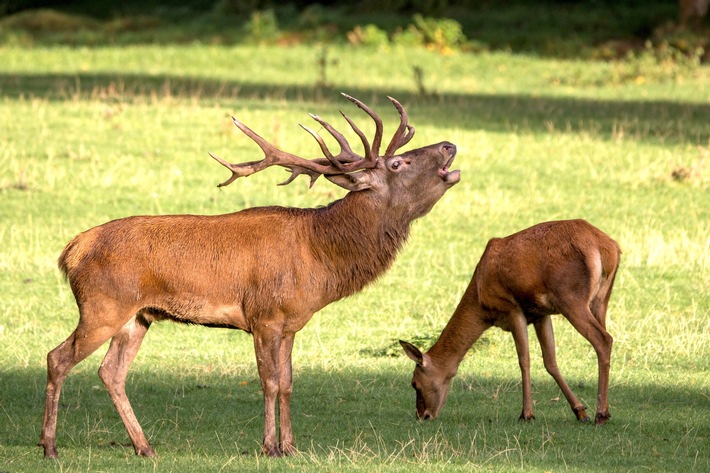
[{"x": 449, "y": 177}]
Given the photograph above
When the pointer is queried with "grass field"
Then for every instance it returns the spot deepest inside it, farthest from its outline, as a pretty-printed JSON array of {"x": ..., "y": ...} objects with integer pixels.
[{"x": 92, "y": 134}]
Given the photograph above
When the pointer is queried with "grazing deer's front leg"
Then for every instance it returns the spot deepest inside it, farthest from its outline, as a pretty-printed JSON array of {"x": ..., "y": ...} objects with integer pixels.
[
  {"x": 267, "y": 344},
  {"x": 114, "y": 368},
  {"x": 546, "y": 336},
  {"x": 287, "y": 443},
  {"x": 519, "y": 328}
]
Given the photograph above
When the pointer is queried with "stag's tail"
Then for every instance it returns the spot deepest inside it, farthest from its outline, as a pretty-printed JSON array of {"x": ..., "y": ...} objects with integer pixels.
[{"x": 76, "y": 250}]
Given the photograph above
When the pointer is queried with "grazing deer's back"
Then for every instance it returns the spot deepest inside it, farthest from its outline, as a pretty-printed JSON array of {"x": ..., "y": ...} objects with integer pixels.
[{"x": 529, "y": 263}]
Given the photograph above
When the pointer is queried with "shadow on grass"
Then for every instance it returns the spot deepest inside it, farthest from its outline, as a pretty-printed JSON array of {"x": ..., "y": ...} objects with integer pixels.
[
  {"x": 358, "y": 413},
  {"x": 663, "y": 121}
]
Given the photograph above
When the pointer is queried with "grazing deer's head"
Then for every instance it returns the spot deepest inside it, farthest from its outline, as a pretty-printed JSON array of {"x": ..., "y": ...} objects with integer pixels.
[{"x": 430, "y": 382}]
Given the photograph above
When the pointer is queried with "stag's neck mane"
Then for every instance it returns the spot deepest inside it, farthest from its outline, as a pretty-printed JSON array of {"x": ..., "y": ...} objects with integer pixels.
[{"x": 357, "y": 238}]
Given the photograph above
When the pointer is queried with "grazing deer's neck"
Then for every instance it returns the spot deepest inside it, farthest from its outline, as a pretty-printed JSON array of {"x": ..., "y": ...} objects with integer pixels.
[
  {"x": 463, "y": 329},
  {"x": 357, "y": 238}
]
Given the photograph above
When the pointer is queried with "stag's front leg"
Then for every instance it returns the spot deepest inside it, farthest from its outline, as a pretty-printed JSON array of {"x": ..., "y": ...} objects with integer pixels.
[
  {"x": 267, "y": 344},
  {"x": 287, "y": 445},
  {"x": 519, "y": 328}
]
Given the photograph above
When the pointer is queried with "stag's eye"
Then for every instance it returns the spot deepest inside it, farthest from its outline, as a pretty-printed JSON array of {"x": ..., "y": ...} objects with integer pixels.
[{"x": 396, "y": 164}]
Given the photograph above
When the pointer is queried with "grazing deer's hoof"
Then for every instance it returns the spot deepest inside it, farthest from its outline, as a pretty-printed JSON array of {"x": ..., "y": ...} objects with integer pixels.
[
  {"x": 602, "y": 418},
  {"x": 581, "y": 414},
  {"x": 50, "y": 448},
  {"x": 526, "y": 417},
  {"x": 146, "y": 452}
]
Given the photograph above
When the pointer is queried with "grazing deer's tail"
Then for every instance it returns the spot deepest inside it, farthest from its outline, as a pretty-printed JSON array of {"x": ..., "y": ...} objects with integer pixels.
[{"x": 610, "y": 255}]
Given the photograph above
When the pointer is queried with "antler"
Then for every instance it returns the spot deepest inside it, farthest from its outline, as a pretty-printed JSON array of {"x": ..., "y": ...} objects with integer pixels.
[{"x": 346, "y": 162}]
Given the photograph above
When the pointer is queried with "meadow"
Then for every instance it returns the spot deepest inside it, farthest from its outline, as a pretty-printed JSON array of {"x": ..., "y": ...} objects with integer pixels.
[{"x": 92, "y": 134}]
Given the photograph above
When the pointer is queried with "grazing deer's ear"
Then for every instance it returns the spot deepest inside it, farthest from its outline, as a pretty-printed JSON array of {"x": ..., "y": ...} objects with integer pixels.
[
  {"x": 357, "y": 181},
  {"x": 413, "y": 352}
]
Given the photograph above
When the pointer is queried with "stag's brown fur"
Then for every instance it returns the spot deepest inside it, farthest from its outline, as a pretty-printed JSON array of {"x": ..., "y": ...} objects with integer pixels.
[
  {"x": 262, "y": 270},
  {"x": 563, "y": 267}
]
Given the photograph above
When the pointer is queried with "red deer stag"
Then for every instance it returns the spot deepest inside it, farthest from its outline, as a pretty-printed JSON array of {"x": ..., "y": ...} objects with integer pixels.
[
  {"x": 565, "y": 267},
  {"x": 263, "y": 270}
]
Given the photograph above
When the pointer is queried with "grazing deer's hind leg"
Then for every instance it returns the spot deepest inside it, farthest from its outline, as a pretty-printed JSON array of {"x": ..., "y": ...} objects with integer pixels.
[
  {"x": 114, "y": 368},
  {"x": 519, "y": 329},
  {"x": 546, "y": 336},
  {"x": 590, "y": 328},
  {"x": 80, "y": 344}
]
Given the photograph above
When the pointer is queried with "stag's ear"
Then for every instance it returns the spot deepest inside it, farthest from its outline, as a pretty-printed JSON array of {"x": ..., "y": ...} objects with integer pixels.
[
  {"x": 396, "y": 163},
  {"x": 356, "y": 181},
  {"x": 413, "y": 352}
]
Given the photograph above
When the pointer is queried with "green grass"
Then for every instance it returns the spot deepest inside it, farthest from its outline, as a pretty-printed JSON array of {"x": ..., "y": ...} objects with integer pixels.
[{"x": 88, "y": 135}]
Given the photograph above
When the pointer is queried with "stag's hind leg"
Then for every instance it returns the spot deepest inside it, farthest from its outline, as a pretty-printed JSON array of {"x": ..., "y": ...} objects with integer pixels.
[
  {"x": 80, "y": 344},
  {"x": 546, "y": 336},
  {"x": 114, "y": 368}
]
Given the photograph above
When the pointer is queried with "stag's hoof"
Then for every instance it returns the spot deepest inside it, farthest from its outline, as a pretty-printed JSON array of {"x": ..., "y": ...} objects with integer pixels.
[
  {"x": 273, "y": 452},
  {"x": 51, "y": 452},
  {"x": 602, "y": 418},
  {"x": 526, "y": 417},
  {"x": 288, "y": 449}
]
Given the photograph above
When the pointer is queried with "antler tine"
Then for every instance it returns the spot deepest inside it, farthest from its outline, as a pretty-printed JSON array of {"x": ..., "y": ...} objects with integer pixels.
[
  {"x": 369, "y": 155},
  {"x": 228, "y": 166},
  {"x": 346, "y": 153},
  {"x": 324, "y": 148},
  {"x": 377, "y": 140},
  {"x": 296, "y": 171},
  {"x": 404, "y": 133}
]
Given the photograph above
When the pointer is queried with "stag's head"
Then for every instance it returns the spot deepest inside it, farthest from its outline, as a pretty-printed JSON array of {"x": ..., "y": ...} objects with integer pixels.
[
  {"x": 430, "y": 382},
  {"x": 416, "y": 178}
]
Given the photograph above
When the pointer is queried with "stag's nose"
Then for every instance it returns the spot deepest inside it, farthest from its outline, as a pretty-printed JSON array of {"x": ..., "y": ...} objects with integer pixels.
[{"x": 449, "y": 148}]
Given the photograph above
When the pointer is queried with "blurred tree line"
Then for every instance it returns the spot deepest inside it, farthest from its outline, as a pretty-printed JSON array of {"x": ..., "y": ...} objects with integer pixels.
[
  {"x": 687, "y": 9},
  {"x": 602, "y": 29}
]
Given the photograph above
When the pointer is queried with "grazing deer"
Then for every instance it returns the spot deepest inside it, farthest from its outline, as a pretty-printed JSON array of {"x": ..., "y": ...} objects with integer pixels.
[
  {"x": 263, "y": 270},
  {"x": 565, "y": 267}
]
